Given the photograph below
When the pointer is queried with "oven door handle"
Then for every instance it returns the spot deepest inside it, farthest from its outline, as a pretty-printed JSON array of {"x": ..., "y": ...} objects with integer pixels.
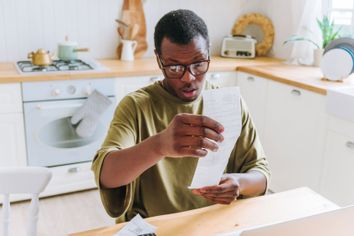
[{"x": 49, "y": 107}]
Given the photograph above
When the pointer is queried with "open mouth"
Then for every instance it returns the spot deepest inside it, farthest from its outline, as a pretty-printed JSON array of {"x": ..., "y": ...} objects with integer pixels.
[{"x": 189, "y": 92}]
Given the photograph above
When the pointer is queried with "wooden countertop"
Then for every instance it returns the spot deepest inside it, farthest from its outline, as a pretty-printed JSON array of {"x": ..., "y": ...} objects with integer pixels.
[
  {"x": 305, "y": 77},
  {"x": 117, "y": 68},
  {"x": 238, "y": 215}
]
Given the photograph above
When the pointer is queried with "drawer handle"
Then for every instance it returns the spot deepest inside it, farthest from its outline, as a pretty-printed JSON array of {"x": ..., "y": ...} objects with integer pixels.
[
  {"x": 296, "y": 92},
  {"x": 73, "y": 170},
  {"x": 154, "y": 79},
  {"x": 350, "y": 144},
  {"x": 251, "y": 78}
]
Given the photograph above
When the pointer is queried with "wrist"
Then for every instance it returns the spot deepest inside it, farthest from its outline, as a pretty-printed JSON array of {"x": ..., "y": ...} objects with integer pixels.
[{"x": 157, "y": 148}]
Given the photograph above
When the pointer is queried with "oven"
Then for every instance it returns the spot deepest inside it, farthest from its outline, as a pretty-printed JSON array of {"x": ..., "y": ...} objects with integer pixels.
[{"x": 51, "y": 139}]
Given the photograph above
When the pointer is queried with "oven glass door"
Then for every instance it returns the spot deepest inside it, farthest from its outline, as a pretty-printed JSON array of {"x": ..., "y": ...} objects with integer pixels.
[{"x": 51, "y": 138}]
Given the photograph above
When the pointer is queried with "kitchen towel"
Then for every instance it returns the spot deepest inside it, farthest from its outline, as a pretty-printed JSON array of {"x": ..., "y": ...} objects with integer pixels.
[{"x": 89, "y": 113}]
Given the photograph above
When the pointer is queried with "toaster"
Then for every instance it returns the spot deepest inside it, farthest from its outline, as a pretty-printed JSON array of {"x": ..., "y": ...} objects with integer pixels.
[{"x": 239, "y": 46}]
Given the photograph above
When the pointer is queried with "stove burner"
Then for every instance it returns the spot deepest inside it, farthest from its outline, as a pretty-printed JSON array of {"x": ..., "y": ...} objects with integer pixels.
[{"x": 57, "y": 65}]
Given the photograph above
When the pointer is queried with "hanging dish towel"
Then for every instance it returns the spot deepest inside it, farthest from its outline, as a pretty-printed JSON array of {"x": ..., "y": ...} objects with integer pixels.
[{"x": 89, "y": 113}]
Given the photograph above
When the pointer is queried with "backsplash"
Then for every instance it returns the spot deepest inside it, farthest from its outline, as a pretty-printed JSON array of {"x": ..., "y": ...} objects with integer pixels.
[{"x": 26, "y": 25}]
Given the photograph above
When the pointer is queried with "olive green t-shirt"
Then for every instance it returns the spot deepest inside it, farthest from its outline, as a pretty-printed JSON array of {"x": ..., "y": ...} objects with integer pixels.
[{"x": 162, "y": 189}]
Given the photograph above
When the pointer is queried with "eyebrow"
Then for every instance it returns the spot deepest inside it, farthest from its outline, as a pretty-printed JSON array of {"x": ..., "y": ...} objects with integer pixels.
[{"x": 174, "y": 61}]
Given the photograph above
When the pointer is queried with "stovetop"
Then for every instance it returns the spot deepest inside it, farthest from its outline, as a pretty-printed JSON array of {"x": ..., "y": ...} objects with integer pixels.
[{"x": 57, "y": 65}]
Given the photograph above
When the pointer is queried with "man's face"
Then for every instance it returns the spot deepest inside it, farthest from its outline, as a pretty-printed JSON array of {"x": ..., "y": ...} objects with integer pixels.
[{"x": 189, "y": 86}]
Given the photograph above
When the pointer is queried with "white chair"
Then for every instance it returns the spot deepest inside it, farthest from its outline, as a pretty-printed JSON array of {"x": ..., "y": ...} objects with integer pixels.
[{"x": 23, "y": 180}]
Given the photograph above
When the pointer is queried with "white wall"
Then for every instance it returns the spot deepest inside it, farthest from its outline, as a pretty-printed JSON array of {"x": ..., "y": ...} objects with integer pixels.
[{"x": 26, "y": 25}]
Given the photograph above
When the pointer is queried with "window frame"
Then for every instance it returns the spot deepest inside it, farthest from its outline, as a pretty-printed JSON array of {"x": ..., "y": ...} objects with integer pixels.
[{"x": 327, "y": 10}]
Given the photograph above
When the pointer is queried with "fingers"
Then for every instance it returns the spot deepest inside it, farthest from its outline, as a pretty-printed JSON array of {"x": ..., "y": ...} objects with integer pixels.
[
  {"x": 197, "y": 142},
  {"x": 220, "y": 200},
  {"x": 200, "y": 131},
  {"x": 227, "y": 191},
  {"x": 200, "y": 120}
]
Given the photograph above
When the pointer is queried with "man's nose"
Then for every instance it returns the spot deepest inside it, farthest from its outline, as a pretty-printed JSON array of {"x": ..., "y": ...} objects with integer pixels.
[{"x": 187, "y": 77}]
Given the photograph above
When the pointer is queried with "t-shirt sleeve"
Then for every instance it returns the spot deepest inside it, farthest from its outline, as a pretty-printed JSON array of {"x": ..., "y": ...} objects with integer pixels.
[
  {"x": 248, "y": 153},
  {"x": 121, "y": 134}
]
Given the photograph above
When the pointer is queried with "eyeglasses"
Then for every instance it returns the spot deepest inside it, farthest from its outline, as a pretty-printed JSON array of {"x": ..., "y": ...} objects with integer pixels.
[{"x": 177, "y": 71}]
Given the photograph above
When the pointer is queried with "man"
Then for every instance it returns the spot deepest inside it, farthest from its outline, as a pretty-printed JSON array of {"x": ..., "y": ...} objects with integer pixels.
[{"x": 157, "y": 134}]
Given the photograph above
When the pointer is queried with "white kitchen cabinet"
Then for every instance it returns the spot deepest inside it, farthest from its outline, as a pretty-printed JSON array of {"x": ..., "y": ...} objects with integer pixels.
[
  {"x": 10, "y": 98},
  {"x": 254, "y": 92},
  {"x": 338, "y": 176},
  {"x": 12, "y": 134},
  {"x": 125, "y": 85},
  {"x": 70, "y": 178},
  {"x": 12, "y": 140},
  {"x": 294, "y": 136},
  {"x": 222, "y": 79}
]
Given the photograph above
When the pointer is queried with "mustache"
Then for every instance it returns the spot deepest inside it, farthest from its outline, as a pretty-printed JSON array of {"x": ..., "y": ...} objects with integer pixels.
[{"x": 189, "y": 88}]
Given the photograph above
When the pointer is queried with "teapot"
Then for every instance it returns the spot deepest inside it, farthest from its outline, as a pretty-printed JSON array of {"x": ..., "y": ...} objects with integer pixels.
[{"x": 40, "y": 58}]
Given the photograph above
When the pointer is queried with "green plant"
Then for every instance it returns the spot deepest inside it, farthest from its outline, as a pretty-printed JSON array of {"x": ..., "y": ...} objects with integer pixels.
[{"x": 328, "y": 33}]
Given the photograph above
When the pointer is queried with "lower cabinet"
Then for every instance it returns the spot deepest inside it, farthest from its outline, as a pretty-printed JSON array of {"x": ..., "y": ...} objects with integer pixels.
[
  {"x": 222, "y": 79},
  {"x": 12, "y": 133},
  {"x": 12, "y": 140},
  {"x": 70, "y": 178},
  {"x": 294, "y": 136},
  {"x": 254, "y": 92},
  {"x": 125, "y": 85},
  {"x": 338, "y": 175}
]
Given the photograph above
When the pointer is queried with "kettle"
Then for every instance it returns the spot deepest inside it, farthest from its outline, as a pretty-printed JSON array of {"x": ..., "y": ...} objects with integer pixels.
[{"x": 40, "y": 58}]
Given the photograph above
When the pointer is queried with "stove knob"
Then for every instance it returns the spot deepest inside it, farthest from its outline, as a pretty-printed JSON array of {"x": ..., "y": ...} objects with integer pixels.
[
  {"x": 71, "y": 89},
  {"x": 56, "y": 92},
  {"x": 88, "y": 90}
]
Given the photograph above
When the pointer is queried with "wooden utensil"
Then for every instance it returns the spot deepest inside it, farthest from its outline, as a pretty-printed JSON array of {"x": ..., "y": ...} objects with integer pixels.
[
  {"x": 134, "y": 31},
  {"x": 120, "y": 22},
  {"x": 133, "y": 13}
]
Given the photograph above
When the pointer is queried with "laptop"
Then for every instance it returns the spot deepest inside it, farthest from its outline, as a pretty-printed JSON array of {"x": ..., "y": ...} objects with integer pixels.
[{"x": 337, "y": 222}]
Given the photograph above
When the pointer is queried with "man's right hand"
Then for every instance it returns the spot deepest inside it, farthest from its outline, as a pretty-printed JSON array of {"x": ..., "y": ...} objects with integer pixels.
[{"x": 190, "y": 135}]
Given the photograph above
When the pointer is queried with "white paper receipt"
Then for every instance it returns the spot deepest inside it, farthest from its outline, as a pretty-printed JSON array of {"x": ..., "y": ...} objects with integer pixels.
[
  {"x": 136, "y": 226},
  {"x": 222, "y": 105}
]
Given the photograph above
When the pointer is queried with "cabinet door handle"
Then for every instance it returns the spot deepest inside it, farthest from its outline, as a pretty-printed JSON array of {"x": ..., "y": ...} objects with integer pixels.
[
  {"x": 349, "y": 144},
  {"x": 73, "y": 170},
  {"x": 215, "y": 76},
  {"x": 251, "y": 78},
  {"x": 296, "y": 92}
]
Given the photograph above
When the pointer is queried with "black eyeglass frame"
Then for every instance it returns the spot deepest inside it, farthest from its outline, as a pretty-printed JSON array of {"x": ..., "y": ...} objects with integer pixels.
[{"x": 186, "y": 67}]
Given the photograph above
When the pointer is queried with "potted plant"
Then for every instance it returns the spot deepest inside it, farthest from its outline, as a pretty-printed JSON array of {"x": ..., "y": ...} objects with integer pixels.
[{"x": 328, "y": 33}]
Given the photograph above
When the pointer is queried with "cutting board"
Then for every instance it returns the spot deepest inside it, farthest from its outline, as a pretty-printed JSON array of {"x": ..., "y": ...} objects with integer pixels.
[{"x": 133, "y": 13}]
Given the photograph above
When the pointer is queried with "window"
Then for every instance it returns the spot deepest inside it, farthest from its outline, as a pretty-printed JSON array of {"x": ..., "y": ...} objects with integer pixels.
[{"x": 342, "y": 12}]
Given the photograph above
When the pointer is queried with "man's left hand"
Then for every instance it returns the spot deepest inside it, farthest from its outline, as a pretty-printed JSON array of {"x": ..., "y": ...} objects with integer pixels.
[{"x": 225, "y": 192}]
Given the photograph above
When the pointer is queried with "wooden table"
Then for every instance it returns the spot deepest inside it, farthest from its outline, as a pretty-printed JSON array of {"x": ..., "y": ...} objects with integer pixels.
[{"x": 240, "y": 214}]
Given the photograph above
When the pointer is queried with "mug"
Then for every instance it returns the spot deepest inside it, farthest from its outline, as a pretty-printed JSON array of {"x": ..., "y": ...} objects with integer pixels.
[{"x": 128, "y": 49}]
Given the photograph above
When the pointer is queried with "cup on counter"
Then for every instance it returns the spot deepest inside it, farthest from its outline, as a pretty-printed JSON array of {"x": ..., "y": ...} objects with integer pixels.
[{"x": 128, "y": 49}]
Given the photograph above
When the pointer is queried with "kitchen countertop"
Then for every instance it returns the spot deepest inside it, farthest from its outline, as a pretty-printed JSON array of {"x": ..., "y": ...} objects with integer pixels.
[{"x": 305, "y": 77}]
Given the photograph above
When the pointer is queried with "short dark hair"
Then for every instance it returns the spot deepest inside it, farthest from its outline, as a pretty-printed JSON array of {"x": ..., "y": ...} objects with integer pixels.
[{"x": 180, "y": 27}]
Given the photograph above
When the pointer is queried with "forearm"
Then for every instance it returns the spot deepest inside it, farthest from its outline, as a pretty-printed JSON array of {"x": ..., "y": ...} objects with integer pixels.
[
  {"x": 123, "y": 166},
  {"x": 252, "y": 183}
]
